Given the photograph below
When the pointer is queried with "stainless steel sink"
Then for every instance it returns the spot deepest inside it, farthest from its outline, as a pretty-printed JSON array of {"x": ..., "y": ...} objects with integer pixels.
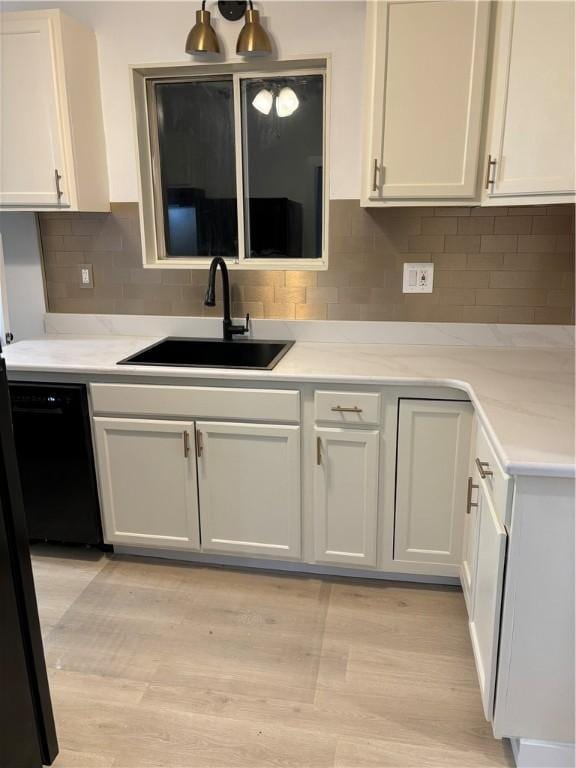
[{"x": 211, "y": 353}]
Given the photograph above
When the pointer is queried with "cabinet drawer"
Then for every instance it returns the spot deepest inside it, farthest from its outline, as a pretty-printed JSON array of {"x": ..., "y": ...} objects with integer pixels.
[
  {"x": 351, "y": 408},
  {"x": 497, "y": 483},
  {"x": 196, "y": 402}
]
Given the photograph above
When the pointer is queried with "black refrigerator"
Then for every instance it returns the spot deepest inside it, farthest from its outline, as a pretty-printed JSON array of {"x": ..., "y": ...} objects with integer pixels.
[{"x": 27, "y": 732}]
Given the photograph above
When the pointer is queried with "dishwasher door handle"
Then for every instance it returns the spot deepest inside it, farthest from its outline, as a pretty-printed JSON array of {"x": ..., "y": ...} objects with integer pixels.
[{"x": 37, "y": 411}]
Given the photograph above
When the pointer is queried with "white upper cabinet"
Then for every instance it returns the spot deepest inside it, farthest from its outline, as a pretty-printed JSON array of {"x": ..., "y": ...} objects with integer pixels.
[
  {"x": 424, "y": 99},
  {"x": 249, "y": 488},
  {"x": 51, "y": 130},
  {"x": 531, "y": 126},
  {"x": 431, "y": 477}
]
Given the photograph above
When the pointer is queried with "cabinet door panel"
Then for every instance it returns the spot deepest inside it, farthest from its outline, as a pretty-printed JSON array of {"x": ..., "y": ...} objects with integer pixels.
[
  {"x": 433, "y": 453},
  {"x": 249, "y": 488},
  {"x": 147, "y": 476},
  {"x": 532, "y": 110},
  {"x": 30, "y": 133},
  {"x": 487, "y": 598},
  {"x": 346, "y": 496},
  {"x": 429, "y": 84}
]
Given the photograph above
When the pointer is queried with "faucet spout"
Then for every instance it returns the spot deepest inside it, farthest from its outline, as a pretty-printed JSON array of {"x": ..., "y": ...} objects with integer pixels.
[{"x": 229, "y": 329}]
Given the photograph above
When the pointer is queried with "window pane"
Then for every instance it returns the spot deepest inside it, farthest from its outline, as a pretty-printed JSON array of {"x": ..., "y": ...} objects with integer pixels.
[
  {"x": 282, "y": 121},
  {"x": 197, "y": 167}
]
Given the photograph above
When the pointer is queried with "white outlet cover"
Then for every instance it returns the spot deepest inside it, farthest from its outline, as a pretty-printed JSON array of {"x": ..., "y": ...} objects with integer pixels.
[
  {"x": 418, "y": 277},
  {"x": 86, "y": 276}
]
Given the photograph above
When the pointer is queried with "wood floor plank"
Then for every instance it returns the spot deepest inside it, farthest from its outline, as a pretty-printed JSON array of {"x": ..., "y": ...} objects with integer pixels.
[
  {"x": 186, "y": 666},
  {"x": 362, "y": 753}
]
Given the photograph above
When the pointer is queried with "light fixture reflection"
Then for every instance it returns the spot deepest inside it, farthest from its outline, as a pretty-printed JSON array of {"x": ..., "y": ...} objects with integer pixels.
[
  {"x": 263, "y": 101},
  {"x": 286, "y": 102}
]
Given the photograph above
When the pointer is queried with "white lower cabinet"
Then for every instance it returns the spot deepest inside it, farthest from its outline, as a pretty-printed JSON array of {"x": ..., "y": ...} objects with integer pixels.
[
  {"x": 470, "y": 546},
  {"x": 486, "y": 595},
  {"x": 346, "y": 496},
  {"x": 249, "y": 488},
  {"x": 147, "y": 473},
  {"x": 431, "y": 474}
]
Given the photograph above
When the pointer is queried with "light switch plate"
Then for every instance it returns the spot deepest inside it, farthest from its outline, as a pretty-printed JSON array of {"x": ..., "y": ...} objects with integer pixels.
[
  {"x": 86, "y": 276},
  {"x": 418, "y": 277}
]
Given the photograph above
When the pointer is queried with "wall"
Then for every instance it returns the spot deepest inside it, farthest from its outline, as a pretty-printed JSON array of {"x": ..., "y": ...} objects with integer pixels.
[
  {"x": 23, "y": 268},
  {"x": 144, "y": 32},
  {"x": 492, "y": 265}
]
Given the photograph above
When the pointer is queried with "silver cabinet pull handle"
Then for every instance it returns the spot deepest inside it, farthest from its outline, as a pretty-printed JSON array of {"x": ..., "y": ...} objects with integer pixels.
[
  {"x": 469, "y": 502},
  {"x": 490, "y": 180},
  {"x": 343, "y": 409},
  {"x": 186, "y": 437},
  {"x": 483, "y": 469},
  {"x": 375, "y": 176},
  {"x": 57, "y": 177},
  {"x": 318, "y": 450},
  {"x": 199, "y": 444}
]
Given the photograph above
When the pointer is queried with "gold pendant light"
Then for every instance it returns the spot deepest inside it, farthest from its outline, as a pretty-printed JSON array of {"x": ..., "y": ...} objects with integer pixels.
[
  {"x": 202, "y": 38},
  {"x": 253, "y": 38}
]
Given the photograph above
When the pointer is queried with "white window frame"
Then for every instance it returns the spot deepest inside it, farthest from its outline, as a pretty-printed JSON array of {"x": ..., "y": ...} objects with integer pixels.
[{"x": 152, "y": 234}]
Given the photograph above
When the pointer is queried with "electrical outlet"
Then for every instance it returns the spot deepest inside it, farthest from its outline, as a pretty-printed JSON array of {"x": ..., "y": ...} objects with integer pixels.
[
  {"x": 86, "y": 276},
  {"x": 418, "y": 278}
]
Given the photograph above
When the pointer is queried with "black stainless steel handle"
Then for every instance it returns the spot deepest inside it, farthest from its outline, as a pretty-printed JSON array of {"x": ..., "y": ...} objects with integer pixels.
[
  {"x": 318, "y": 450},
  {"x": 483, "y": 469},
  {"x": 43, "y": 411},
  {"x": 469, "y": 502},
  {"x": 375, "y": 176}
]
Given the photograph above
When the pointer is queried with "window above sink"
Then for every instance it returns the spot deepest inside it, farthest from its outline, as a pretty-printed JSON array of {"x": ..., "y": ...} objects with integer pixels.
[{"x": 233, "y": 163}]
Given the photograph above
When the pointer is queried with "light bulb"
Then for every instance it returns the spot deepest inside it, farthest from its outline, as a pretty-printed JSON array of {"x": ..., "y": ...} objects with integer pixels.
[
  {"x": 263, "y": 101},
  {"x": 286, "y": 102}
]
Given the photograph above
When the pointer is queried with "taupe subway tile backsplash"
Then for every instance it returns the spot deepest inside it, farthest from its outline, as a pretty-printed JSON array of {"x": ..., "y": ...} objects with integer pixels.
[{"x": 492, "y": 265}]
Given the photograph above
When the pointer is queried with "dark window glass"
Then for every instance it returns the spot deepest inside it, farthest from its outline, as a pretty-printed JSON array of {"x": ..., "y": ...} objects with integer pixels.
[
  {"x": 282, "y": 127},
  {"x": 197, "y": 167}
]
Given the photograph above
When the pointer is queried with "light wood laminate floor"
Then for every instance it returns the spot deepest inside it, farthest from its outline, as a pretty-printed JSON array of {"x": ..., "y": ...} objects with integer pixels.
[{"x": 154, "y": 663}]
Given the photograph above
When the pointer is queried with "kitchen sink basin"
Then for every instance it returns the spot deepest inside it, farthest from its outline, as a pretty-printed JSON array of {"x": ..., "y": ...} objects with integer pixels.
[{"x": 211, "y": 353}]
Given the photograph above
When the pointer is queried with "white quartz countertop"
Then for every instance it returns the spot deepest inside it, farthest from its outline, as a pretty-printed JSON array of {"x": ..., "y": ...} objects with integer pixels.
[{"x": 524, "y": 397}]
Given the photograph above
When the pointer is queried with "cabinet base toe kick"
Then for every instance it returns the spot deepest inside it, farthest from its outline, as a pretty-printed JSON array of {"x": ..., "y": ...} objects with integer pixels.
[{"x": 285, "y": 565}]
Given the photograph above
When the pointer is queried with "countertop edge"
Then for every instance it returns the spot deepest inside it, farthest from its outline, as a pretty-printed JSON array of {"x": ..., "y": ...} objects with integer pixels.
[{"x": 549, "y": 469}]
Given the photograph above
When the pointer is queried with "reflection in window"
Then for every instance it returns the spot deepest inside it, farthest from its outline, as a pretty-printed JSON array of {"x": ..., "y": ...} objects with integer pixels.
[
  {"x": 282, "y": 141},
  {"x": 197, "y": 167}
]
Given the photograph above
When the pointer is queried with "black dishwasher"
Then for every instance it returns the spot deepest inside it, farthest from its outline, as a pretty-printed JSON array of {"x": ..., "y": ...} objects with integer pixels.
[{"x": 54, "y": 450}]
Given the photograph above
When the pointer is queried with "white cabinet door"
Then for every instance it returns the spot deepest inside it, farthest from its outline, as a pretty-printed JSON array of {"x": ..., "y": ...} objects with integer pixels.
[
  {"x": 487, "y": 597},
  {"x": 32, "y": 150},
  {"x": 531, "y": 135},
  {"x": 147, "y": 476},
  {"x": 249, "y": 488},
  {"x": 346, "y": 496},
  {"x": 470, "y": 544},
  {"x": 431, "y": 477},
  {"x": 425, "y": 97}
]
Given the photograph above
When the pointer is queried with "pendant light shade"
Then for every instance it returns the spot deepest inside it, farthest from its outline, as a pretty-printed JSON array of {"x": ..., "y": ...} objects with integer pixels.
[
  {"x": 202, "y": 38},
  {"x": 253, "y": 38}
]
